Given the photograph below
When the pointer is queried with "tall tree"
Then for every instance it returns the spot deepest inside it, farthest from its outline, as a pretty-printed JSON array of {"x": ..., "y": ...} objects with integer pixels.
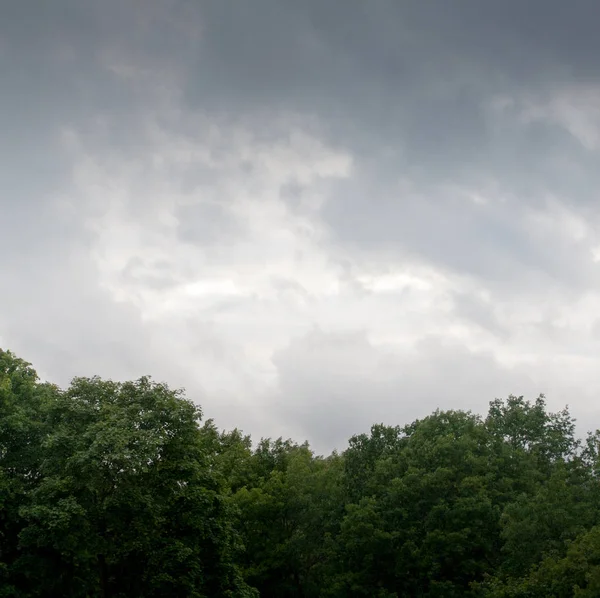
[
  {"x": 22, "y": 429},
  {"x": 127, "y": 503}
]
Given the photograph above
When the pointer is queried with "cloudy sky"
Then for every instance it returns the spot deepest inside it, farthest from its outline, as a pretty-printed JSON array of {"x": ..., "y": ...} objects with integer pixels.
[{"x": 312, "y": 215}]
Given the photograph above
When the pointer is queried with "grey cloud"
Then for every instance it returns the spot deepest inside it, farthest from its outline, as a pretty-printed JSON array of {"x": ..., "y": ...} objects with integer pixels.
[
  {"x": 406, "y": 76},
  {"x": 407, "y": 87},
  {"x": 334, "y": 385},
  {"x": 158, "y": 278},
  {"x": 347, "y": 60},
  {"x": 56, "y": 315},
  {"x": 595, "y": 329},
  {"x": 473, "y": 309},
  {"x": 207, "y": 223},
  {"x": 61, "y": 320},
  {"x": 490, "y": 242},
  {"x": 58, "y": 63}
]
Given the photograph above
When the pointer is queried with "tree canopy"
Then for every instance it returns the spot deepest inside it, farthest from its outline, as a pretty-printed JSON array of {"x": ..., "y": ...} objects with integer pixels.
[{"x": 120, "y": 489}]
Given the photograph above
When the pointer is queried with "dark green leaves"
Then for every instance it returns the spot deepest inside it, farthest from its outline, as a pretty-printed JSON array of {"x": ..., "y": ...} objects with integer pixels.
[{"x": 118, "y": 489}]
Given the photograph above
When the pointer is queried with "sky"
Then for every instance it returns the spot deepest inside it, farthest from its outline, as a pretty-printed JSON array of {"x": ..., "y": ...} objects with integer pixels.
[{"x": 314, "y": 216}]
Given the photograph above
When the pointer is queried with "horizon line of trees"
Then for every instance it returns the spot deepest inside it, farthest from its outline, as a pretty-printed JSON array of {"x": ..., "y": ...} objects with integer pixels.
[{"x": 120, "y": 490}]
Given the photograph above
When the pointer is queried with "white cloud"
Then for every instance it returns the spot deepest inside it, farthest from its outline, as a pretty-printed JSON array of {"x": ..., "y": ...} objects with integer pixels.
[
  {"x": 253, "y": 287},
  {"x": 261, "y": 310}
]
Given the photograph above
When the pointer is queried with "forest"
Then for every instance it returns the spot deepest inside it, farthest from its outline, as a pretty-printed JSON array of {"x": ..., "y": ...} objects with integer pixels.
[{"x": 122, "y": 489}]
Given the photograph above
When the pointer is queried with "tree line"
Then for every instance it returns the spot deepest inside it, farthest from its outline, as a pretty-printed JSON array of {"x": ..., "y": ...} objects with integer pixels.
[{"x": 120, "y": 489}]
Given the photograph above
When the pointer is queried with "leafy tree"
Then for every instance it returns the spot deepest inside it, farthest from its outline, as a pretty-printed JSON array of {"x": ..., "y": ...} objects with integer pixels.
[
  {"x": 363, "y": 454},
  {"x": 576, "y": 575},
  {"x": 22, "y": 429},
  {"x": 126, "y": 503},
  {"x": 287, "y": 517},
  {"x": 114, "y": 489},
  {"x": 539, "y": 524},
  {"x": 426, "y": 526}
]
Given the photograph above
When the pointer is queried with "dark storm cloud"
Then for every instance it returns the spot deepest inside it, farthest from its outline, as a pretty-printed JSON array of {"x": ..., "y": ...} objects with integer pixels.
[
  {"x": 410, "y": 77},
  {"x": 352, "y": 60},
  {"x": 60, "y": 61},
  {"x": 360, "y": 64}
]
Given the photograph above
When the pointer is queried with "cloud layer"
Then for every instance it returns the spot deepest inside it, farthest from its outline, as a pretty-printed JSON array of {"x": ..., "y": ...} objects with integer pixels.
[{"x": 313, "y": 216}]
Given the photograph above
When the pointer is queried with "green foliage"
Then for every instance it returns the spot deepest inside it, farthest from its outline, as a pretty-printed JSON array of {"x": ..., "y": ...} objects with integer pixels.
[
  {"x": 575, "y": 575},
  {"x": 286, "y": 516},
  {"x": 115, "y": 490},
  {"x": 426, "y": 523},
  {"x": 120, "y": 498}
]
